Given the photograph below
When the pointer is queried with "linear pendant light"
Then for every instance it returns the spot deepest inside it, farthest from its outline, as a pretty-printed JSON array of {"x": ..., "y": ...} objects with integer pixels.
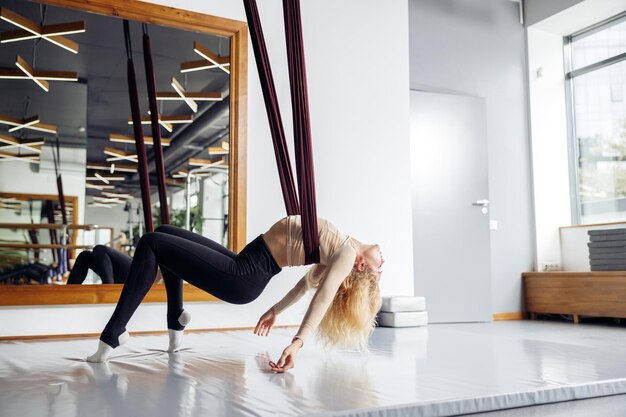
[
  {"x": 31, "y": 30},
  {"x": 210, "y": 60},
  {"x": 25, "y": 124}
]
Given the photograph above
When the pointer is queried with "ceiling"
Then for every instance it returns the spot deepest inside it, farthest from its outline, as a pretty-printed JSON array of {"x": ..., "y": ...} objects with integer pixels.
[{"x": 88, "y": 111}]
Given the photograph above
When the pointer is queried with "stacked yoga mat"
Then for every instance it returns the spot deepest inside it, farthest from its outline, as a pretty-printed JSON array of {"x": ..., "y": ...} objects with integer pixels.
[
  {"x": 403, "y": 312},
  {"x": 607, "y": 249}
]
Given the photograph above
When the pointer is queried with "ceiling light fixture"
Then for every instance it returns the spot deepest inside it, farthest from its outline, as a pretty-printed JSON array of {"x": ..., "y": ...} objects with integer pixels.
[
  {"x": 31, "y": 30},
  {"x": 117, "y": 155},
  {"x": 33, "y": 145},
  {"x": 33, "y": 158},
  {"x": 24, "y": 123},
  {"x": 210, "y": 60},
  {"x": 105, "y": 178},
  {"x": 130, "y": 139},
  {"x": 99, "y": 166}
]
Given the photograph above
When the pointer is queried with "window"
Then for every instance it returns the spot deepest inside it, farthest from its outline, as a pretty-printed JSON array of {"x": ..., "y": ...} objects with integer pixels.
[{"x": 596, "y": 84}]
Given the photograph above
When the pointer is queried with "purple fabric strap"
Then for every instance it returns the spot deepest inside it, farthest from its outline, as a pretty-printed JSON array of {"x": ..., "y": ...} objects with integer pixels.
[
  {"x": 144, "y": 179},
  {"x": 156, "y": 129},
  {"x": 301, "y": 121}
]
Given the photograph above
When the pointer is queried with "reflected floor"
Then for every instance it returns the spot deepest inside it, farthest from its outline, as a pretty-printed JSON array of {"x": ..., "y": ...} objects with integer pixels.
[{"x": 438, "y": 370}]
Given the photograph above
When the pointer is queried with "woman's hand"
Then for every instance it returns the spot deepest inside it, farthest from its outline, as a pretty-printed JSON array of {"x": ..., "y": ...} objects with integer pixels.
[
  {"x": 266, "y": 322},
  {"x": 288, "y": 358}
]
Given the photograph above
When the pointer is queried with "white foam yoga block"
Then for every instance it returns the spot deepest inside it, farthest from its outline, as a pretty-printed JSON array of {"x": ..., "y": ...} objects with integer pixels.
[
  {"x": 403, "y": 319},
  {"x": 403, "y": 303}
]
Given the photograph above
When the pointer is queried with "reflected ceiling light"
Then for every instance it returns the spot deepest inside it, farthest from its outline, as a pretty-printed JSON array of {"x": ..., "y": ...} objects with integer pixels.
[
  {"x": 200, "y": 96},
  {"x": 98, "y": 186},
  {"x": 108, "y": 200},
  {"x": 118, "y": 195},
  {"x": 33, "y": 158},
  {"x": 16, "y": 74},
  {"x": 33, "y": 145},
  {"x": 205, "y": 163},
  {"x": 182, "y": 173},
  {"x": 101, "y": 178},
  {"x": 107, "y": 167},
  {"x": 25, "y": 124},
  {"x": 210, "y": 60},
  {"x": 31, "y": 30},
  {"x": 147, "y": 121},
  {"x": 105, "y": 178},
  {"x": 117, "y": 155},
  {"x": 165, "y": 121},
  {"x": 96, "y": 204},
  {"x": 181, "y": 92},
  {"x": 223, "y": 150},
  {"x": 130, "y": 139},
  {"x": 28, "y": 70},
  {"x": 188, "y": 97}
]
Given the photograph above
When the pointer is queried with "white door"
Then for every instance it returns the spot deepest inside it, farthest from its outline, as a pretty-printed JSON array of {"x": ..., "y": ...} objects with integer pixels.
[{"x": 450, "y": 206}]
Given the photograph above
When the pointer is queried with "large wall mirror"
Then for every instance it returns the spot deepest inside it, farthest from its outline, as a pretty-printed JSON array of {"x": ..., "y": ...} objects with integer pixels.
[{"x": 65, "y": 113}]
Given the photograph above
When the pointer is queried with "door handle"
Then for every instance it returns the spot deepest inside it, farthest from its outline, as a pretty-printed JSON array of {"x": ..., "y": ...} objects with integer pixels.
[{"x": 481, "y": 203}]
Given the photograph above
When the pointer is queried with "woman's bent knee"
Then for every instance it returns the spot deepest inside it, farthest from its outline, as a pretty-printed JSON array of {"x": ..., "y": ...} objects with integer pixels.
[{"x": 165, "y": 228}]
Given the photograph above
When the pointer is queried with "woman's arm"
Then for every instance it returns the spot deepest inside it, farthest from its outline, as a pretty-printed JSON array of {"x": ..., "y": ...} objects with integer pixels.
[
  {"x": 338, "y": 269},
  {"x": 267, "y": 320}
]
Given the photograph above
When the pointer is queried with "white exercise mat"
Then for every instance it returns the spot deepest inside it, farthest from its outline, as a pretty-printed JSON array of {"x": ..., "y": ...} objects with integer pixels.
[{"x": 438, "y": 370}]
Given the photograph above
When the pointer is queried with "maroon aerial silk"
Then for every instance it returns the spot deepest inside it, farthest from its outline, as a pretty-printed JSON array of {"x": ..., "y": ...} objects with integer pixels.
[
  {"x": 301, "y": 121},
  {"x": 144, "y": 179},
  {"x": 156, "y": 129}
]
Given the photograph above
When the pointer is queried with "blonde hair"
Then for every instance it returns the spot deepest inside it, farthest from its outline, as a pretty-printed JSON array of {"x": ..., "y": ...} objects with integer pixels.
[{"x": 351, "y": 317}]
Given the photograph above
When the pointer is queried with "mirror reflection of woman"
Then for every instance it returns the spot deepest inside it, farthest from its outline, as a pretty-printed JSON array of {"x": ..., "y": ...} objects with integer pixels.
[
  {"x": 343, "y": 309},
  {"x": 112, "y": 266}
]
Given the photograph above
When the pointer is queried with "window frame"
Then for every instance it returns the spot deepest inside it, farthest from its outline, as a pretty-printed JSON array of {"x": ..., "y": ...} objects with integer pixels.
[{"x": 570, "y": 74}]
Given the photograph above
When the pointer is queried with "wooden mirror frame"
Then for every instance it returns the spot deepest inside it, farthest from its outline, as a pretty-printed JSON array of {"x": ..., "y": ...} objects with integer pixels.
[{"x": 21, "y": 295}]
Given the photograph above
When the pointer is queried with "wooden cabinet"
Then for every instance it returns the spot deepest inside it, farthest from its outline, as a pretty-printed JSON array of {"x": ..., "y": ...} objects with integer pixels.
[{"x": 598, "y": 294}]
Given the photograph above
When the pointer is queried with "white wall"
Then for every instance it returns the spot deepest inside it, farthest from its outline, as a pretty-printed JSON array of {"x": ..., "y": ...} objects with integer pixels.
[
  {"x": 477, "y": 48},
  {"x": 549, "y": 143},
  {"x": 360, "y": 118},
  {"x": 19, "y": 177}
]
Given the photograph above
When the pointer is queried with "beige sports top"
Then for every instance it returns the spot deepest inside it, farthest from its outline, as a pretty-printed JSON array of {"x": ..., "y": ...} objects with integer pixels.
[{"x": 337, "y": 256}]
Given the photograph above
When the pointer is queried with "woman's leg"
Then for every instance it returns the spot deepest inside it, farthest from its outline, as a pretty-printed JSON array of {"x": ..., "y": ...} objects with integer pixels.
[
  {"x": 201, "y": 266},
  {"x": 83, "y": 263},
  {"x": 102, "y": 264},
  {"x": 111, "y": 265},
  {"x": 194, "y": 237},
  {"x": 174, "y": 289},
  {"x": 173, "y": 282}
]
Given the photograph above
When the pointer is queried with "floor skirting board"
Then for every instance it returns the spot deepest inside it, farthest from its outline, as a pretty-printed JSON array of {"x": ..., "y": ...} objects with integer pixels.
[
  {"x": 437, "y": 370},
  {"x": 509, "y": 316}
]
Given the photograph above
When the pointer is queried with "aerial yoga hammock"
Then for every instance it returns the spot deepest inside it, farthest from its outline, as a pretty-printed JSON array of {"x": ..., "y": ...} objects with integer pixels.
[
  {"x": 240, "y": 278},
  {"x": 301, "y": 121}
]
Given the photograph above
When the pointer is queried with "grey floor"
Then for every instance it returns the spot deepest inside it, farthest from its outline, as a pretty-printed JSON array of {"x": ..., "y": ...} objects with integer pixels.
[{"x": 450, "y": 369}]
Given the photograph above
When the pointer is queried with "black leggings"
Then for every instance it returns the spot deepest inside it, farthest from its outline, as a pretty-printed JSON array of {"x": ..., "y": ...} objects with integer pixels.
[
  {"x": 112, "y": 266},
  {"x": 234, "y": 278}
]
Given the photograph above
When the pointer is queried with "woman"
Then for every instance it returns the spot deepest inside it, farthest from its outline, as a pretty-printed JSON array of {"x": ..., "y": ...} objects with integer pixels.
[
  {"x": 344, "y": 305},
  {"x": 111, "y": 265}
]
